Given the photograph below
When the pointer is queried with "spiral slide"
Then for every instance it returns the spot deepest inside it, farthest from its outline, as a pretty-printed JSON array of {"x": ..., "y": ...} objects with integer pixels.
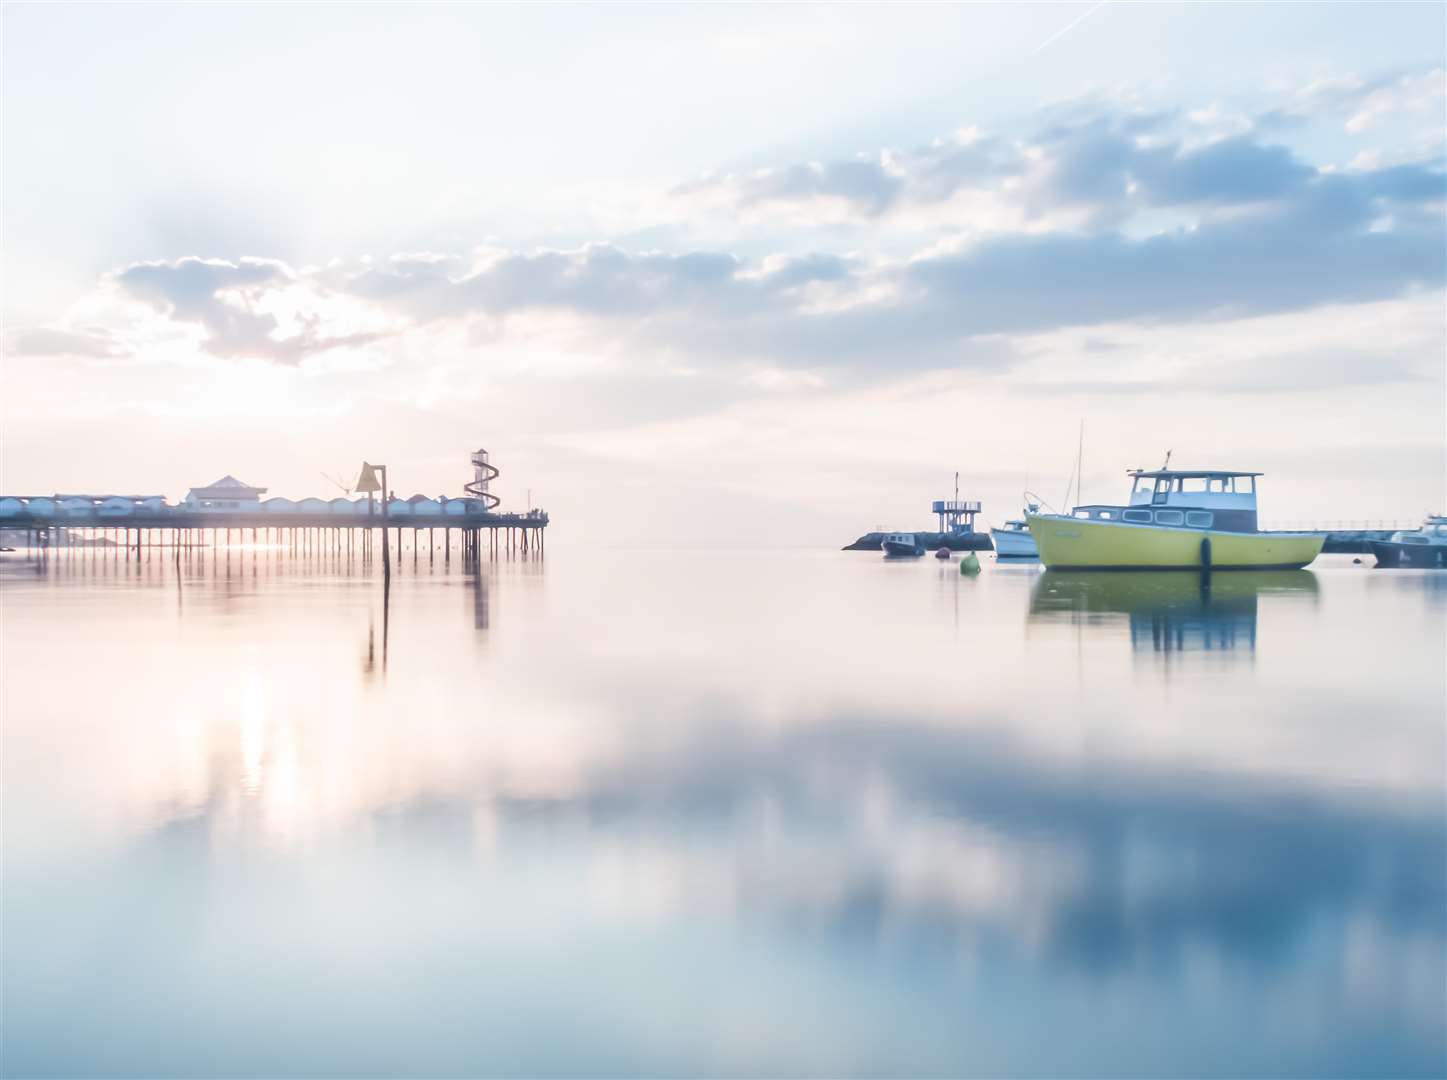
[{"x": 485, "y": 474}]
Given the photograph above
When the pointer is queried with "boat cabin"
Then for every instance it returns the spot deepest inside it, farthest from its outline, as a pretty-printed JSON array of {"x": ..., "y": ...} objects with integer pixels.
[
  {"x": 1433, "y": 531},
  {"x": 1219, "y": 499}
]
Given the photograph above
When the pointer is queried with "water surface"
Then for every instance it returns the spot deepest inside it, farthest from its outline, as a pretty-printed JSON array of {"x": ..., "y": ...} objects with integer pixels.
[{"x": 772, "y": 813}]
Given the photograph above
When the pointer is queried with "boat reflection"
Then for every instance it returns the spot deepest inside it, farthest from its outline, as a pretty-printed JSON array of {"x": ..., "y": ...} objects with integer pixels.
[{"x": 1169, "y": 612}]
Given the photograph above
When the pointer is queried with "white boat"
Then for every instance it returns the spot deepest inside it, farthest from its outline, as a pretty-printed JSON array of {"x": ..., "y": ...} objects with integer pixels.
[
  {"x": 900, "y": 544},
  {"x": 1015, "y": 541},
  {"x": 1420, "y": 548}
]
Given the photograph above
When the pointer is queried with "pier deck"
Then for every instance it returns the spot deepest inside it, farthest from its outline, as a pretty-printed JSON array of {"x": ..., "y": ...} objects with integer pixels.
[{"x": 189, "y": 528}]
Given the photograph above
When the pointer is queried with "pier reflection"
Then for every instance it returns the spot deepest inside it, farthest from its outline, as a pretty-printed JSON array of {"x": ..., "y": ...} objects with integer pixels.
[{"x": 1169, "y": 612}]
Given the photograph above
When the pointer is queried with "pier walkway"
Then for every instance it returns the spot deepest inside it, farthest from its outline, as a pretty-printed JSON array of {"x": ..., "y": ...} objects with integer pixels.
[{"x": 46, "y": 523}]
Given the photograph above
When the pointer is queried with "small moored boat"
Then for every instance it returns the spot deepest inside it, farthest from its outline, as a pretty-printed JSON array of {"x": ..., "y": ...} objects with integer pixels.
[
  {"x": 1424, "y": 548},
  {"x": 1177, "y": 519},
  {"x": 898, "y": 545},
  {"x": 1014, "y": 541}
]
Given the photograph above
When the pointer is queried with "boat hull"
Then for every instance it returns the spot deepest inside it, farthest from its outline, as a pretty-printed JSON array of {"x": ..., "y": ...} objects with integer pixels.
[
  {"x": 893, "y": 549},
  {"x": 1409, "y": 556},
  {"x": 1010, "y": 544},
  {"x": 1069, "y": 543}
]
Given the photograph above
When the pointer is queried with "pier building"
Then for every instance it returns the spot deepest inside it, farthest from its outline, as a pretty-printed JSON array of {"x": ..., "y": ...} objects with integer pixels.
[{"x": 228, "y": 495}]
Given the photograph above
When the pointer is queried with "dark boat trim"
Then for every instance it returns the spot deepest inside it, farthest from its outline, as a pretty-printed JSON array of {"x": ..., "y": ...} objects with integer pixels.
[
  {"x": 1191, "y": 566},
  {"x": 1392, "y": 555}
]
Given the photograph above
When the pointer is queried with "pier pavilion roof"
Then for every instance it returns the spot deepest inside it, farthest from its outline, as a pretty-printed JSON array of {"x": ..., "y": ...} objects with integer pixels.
[{"x": 228, "y": 487}]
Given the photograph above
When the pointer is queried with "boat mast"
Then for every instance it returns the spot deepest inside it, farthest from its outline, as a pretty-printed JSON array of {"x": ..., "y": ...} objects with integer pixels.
[{"x": 1079, "y": 459}]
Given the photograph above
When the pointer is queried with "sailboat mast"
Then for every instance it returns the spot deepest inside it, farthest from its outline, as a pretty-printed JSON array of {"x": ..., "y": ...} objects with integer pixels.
[{"x": 1079, "y": 463}]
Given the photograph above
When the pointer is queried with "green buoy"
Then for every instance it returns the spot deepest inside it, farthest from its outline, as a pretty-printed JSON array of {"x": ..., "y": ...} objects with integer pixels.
[{"x": 970, "y": 564}]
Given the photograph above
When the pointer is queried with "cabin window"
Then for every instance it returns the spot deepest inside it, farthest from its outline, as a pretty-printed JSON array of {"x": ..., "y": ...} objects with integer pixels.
[
  {"x": 1107, "y": 515},
  {"x": 1169, "y": 517},
  {"x": 1163, "y": 490},
  {"x": 1135, "y": 515},
  {"x": 1195, "y": 483},
  {"x": 1198, "y": 519}
]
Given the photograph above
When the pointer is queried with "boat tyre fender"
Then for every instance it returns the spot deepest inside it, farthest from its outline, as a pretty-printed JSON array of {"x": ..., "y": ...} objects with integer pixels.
[{"x": 1205, "y": 553}]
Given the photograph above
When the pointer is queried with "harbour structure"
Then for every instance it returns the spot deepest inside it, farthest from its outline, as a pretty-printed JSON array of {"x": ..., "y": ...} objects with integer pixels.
[
  {"x": 214, "y": 513},
  {"x": 956, "y": 516},
  {"x": 956, "y": 529}
]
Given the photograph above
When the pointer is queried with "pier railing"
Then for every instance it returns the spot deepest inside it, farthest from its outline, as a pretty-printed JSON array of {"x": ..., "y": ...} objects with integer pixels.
[{"x": 38, "y": 511}]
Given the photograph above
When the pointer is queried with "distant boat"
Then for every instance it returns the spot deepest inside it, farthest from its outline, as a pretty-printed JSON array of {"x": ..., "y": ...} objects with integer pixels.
[
  {"x": 1015, "y": 541},
  {"x": 1424, "y": 548},
  {"x": 1177, "y": 519},
  {"x": 897, "y": 545}
]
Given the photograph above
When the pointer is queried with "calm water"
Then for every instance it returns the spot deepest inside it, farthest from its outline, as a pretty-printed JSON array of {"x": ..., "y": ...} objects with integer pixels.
[{"x": 776, "y": 813}]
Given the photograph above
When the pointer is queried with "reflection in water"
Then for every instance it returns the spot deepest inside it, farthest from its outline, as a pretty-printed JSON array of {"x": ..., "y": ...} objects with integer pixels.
[
  {"x": 478, "y": 585},
  {"x": 646, "y": 831},
  {"x": 1170, "y": 612},
  {"x": 1431, "y": 584}
]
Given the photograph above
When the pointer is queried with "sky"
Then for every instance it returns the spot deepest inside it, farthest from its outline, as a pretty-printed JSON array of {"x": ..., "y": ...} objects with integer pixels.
[{"x": 721, "y": 275}]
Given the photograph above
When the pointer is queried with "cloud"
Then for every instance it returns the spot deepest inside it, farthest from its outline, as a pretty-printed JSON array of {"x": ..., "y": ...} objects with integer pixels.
[
  {"x": 228, "y": 301},
  {"x": 1119, "y": 215},
  {"x": 1293, "y": 238},
  {"x": 1108, "y": 160},
  {"x": 1368, "y": 102},
  {"x": 868, "y": 185},
  {"x": 1106, "y": 166},
  {"x": 46, "y": 341},
  {"x": 604, "y": 281},
  {"x": 1336, "y": 238},
  {"x": 1316, "y": 249},
  {"x": 214, "y": 294}
]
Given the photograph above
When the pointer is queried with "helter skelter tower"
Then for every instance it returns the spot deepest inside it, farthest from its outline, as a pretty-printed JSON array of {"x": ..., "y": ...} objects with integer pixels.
[{"x": 483, "y": 475}]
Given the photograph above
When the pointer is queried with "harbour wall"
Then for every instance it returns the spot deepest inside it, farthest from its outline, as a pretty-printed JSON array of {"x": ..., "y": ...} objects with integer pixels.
[{"x": 1348, "y": 541}]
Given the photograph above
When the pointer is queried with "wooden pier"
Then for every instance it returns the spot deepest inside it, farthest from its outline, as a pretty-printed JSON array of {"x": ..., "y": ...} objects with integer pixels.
[
  {"x": 298, "y": 533},
  {"x": 230, "y": 512}
]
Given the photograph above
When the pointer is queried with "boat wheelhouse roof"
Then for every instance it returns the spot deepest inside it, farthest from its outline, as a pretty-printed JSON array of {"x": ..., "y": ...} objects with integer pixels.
[{"x": 1164, "y": 473}]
